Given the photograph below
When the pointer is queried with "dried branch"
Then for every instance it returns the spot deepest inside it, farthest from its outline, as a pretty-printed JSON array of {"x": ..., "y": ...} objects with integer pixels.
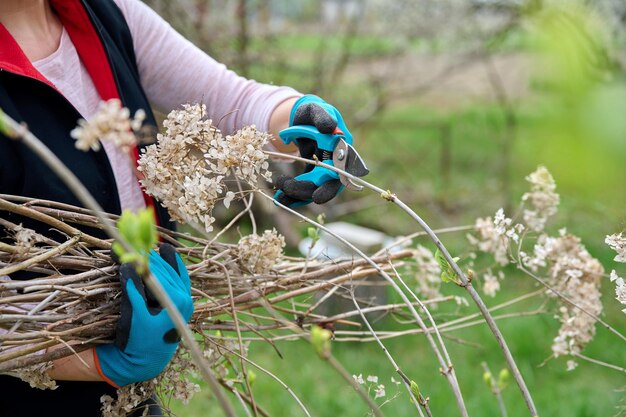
[{"x": 464, "y": 281}]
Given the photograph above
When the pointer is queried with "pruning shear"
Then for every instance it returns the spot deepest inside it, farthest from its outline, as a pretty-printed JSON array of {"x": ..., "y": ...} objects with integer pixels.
[{"x": 337, "y": 151}]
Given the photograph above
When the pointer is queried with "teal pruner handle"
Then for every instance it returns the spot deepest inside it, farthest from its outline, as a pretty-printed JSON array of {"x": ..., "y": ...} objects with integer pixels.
[{"x": 325, "y": 141}]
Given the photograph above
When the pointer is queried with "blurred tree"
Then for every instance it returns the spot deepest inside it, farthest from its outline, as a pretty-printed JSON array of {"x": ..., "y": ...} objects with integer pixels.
[{"x": 583, "y": 94}]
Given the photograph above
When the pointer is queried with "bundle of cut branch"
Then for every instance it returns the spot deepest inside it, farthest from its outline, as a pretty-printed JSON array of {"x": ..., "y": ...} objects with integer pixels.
[{"x": 73, "y": 294}]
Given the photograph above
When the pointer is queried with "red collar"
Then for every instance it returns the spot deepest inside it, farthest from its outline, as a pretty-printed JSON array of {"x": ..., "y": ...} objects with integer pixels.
[
  {"x": 13, "y": 59},
  {"x": 81, "y": 30}
]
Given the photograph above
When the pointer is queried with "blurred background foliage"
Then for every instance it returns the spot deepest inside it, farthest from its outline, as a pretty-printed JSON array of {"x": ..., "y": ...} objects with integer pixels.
[{"x": 452, "y": 103}]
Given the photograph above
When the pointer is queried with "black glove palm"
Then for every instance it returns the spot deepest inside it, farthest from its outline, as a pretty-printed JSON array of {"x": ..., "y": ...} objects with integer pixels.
[{"x": 298, "y": 191}]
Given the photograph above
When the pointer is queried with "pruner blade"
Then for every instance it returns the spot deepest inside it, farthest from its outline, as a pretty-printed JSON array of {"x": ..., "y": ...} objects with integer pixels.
[{"x": 346, "y": 158}]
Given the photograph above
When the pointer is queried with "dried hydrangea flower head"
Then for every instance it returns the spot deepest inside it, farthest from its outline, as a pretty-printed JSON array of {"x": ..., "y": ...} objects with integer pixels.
[
  {"x": 617, "y": 242},
  {"x": 571, "y": 270},
  {"x": 25, "y": 239},
  {"x": 36, "y": 376},
  {"x": 112, "y": 123},
  {"x": 259, "y": 254},
  {"x": 241, "y": 155},
  {"x": 577, "y": 275},
  {"x": 186, "y": 169},
  {"x": 492, "y": 236},
  {"x": 542, "y": 198}
]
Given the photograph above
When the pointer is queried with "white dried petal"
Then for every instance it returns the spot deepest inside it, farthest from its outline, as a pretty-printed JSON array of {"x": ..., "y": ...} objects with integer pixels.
[
  {"x": 186, "y": 169},
  {"x": 259, "y": 254},
  {"x": 542, "y": 198},
  {"x": 491, "y": 284},
  {"x": 461, "y": 301},
  {"x": 112, "y": 123},
  {"x": 379, "y": 391},
  {"x": 617, "y": 242},
  {"x": 571, "y": 365},
  {"x": 229, "y": 197}
]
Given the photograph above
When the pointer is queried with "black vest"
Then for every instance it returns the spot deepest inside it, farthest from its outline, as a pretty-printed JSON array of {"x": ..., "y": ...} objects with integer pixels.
[
  {"x": 51, "y": 117},
  {"x": 103, "y": 40}
]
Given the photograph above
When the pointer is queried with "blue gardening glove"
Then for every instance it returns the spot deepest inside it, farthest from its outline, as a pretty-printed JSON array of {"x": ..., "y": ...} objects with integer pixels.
[
  {"x": 146, "y": 338},
  {"x": 316, "y": 184}
]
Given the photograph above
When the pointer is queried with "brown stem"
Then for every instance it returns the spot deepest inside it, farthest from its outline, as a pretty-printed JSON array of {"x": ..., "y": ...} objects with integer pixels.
[
  {"x": 40, "y": 258},
  {"x": 57, "y": 224},
  {"x": 244, "y": 373},
  {"x": 24, "y": 361}
]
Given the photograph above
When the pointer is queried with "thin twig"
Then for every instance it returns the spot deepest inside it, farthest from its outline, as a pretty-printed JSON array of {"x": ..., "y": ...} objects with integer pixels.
[
  {"x": 357, "y": 387},
  {"x": 271, "y": 375},
  {"x": 599, "y": 362},
  {"x": 569, "y": 301},
  {"x": 464, "y": 281},
  {"x": 330, "y": 359},
  {"x": 405, "y": 379},
  {"x": 41, "y": 257},
  {"x": 495, "y": 389},
  {"x": 450, "y": 375},
  {"x": 244, "y": 373}
]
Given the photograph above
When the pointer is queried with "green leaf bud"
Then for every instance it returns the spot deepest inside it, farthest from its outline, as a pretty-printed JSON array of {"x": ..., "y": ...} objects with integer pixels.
[{"x": 320, "y": 339}]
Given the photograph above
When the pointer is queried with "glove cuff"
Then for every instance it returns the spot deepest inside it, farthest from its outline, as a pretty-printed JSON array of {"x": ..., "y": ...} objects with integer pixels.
[
  {"x": 96, "y": 361},
  {"x": 309, "y": 98},
  {"x": 119, "y": 369}
]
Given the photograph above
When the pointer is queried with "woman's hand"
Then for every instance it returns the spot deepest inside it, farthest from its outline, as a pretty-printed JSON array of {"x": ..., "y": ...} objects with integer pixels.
[
  {"x": 315, "y": 184},
  {"x": 146, "y": 338}
]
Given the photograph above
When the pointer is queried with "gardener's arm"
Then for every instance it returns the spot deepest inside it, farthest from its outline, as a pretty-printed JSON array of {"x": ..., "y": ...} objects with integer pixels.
[
  {"x": 79, "y": 367},
  {"x": 173, "y": 71},
  {"x": 279, "y": 121}
]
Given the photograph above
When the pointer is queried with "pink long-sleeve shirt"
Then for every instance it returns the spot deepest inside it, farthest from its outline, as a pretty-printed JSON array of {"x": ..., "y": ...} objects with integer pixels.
[{"x": 173, "y": 71}]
